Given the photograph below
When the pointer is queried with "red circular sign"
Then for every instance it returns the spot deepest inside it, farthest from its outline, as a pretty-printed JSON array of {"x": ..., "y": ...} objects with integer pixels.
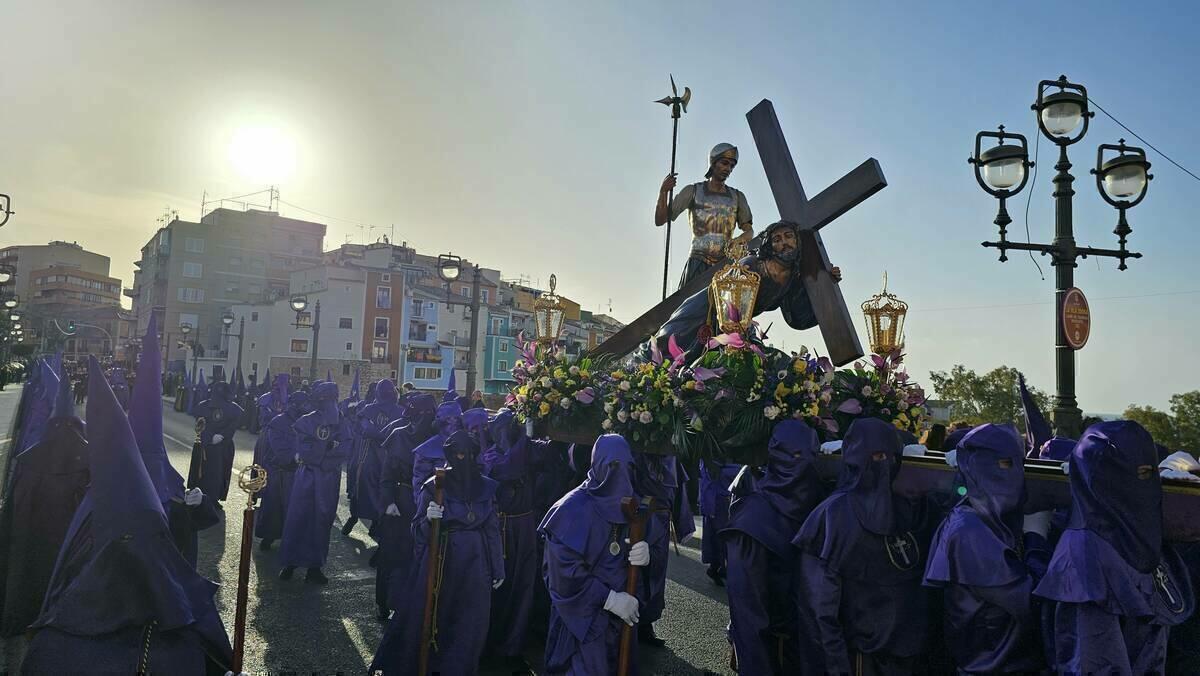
[{"x": 1076, "y": 318}]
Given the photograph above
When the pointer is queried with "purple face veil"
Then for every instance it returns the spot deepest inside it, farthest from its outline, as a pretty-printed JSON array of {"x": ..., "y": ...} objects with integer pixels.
[{"x": 871, "y": 450}]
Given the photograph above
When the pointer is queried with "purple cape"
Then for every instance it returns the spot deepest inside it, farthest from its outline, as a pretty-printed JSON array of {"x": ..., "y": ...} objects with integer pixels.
[
  {"x": 323, "y": 442},
  {"x": 367, "y": 501}
]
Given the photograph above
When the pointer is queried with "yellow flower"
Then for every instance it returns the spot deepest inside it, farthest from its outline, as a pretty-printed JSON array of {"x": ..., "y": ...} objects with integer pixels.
[
  {"x": 544, "y": 409},
  {"x": 799, "y": 365},
  {"x": 689, "y": 385},
  {"x": 560, "y": 374},
  {"x": 814, "y": 409},
  {"x": 781, "y": 391},
  {"x": 583, "y": 373},
  {"x": 618, "y": 375}
]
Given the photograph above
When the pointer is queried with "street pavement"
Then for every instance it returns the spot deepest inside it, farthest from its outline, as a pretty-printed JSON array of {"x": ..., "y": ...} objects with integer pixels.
[{"x": 298, "y": 628}]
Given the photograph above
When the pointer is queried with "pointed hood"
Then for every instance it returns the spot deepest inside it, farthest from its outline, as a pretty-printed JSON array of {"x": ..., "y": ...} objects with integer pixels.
[
  {"x": 991, "y": 461},
  {"x": 145, "y": 419},
  {"x": 451, "y": 389},
  {"x": 610, "y": 478},
  {"x": 43, "y": 392},
  {"x": 791, "y": 483},
  {"x": 1116, "y": 492},
  {"x": 239, "y": 386},
  {"x": 475, "y": 421},
  {"x": 119, "y": 567},
  {"x": 870, "y": 454},
  {"x": 463, "y": 479},
  {"x": 325, "y": 401},
  {"x": 1037, "y": 431},
  {"x": 354, "y": 387},
  {"x": 64, "y": 402},
  {"x": 279, "y": 391},
  {"x": 385, "y": 392}
]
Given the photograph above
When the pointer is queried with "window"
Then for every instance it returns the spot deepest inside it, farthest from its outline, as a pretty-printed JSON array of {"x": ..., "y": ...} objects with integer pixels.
[
  {"x": 254, "y": 367},
  {"x": 504, "y": 346},
  {"x": 346, "y": 323},
  {"x": 385, "y": 277},
  {"x": 193, "y": 245},
  {"x": 345, "y": 369},
  {"x": 381, "y": 327},
  {"x": 379, "y": 350},
  {"x": 299, "y": 345},
  {"x": 393, "y": 375},
  {"x": 253, "y": 316},
  {"x": 304, "y": 318},
  {"x": 427, "y": 373},
  {"x": 253, "y": 345},
  {"x": 218, "y": 373},
  {"x": 497, "y": 326},
  {"x": 296, "y": 373},
  {"x": 502, "y": 366},
  {"x": 349, "y": 346},
  {"x": 383, "y": 297},
  {"x": 190, "y": 295},
  {"x": 465, "y": 291},
  {"x": 417, "y": 307},
  {"x": 484, "y": 295}
]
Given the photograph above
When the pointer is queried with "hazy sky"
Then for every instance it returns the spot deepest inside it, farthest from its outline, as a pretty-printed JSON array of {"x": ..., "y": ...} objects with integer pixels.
[{"x": 523, "y": 135}]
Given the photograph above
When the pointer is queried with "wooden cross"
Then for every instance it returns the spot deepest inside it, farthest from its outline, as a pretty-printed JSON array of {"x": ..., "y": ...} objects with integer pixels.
[{"x": 837, "y": 328}]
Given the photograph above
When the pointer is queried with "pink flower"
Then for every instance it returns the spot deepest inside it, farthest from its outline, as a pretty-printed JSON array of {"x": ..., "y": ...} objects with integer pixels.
[
  {"x": 702, "y": 374},
  {"x": 585, "y": 396},
  {"x": 880, "y": 362},
  {"x": 851, "y": 406}
]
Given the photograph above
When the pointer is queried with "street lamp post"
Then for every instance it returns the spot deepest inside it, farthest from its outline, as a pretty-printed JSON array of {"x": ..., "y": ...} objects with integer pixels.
[
  {"x": 227, "y": 320},
  {"x": 186, "y": 328},
  {"x": 1122, "y": 180},
  {"x": 298, "y": 304},
  {"x": 450, "y": 269}
]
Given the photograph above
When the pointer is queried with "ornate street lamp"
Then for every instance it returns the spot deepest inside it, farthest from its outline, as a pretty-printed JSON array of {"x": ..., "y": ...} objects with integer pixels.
[
  {"x": 548, "y": 314},
  {"x": 733, "y": 291},
  {"x": 6, "y": 274},
  {"x": 449, "y": 267},
  {"x": 1062, "y": 117},
  {"x": 14, "y": 315},
  {"x": 298, "y": 304},
  {"x": 11, "y": 302},
  {"x": 1002, "y": 172},
  {"x": 227, "y": 320},
  {"x": 1119, "y": 179}
]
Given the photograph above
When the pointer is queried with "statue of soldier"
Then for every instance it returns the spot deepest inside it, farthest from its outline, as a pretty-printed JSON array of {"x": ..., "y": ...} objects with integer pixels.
[{"x": 714, "y": 210}]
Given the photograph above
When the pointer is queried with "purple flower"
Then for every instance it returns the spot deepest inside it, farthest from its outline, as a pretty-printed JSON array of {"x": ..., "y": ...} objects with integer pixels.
[
  {"x": 851, "y": 406},
  {"x": 880, "y": 362},
  {"x": 585, "y": 396},
  {"x": 702, "y": 374}
]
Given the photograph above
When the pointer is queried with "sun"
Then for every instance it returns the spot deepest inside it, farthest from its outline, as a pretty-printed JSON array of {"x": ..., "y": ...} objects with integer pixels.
[{"x": 263, "y": 154}]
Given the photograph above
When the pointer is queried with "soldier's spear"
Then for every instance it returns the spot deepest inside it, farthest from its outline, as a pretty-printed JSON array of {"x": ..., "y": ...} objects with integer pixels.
[{"x": 678, "y": 105}]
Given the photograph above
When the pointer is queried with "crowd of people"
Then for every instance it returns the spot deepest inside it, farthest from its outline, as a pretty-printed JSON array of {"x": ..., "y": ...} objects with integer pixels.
[{"x": 490, "y": 540}]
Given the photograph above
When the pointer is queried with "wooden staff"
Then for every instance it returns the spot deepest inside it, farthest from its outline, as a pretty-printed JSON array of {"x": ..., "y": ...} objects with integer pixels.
[
  {"x": 427, "y": 628},
  {"x": 252, "y": 479},
  {"x": 635, "y": 514}
]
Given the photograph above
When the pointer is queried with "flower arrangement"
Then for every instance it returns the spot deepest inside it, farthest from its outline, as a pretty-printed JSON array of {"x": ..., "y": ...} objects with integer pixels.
[
  {"x": 880, "y": 389},
  {"x": 550, "y": 386},
  {"x": 639, "y": 403}
]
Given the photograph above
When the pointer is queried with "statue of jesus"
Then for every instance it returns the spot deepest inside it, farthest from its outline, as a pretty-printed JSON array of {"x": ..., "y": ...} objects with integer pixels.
[
  {"x": 714, "y": 209},
  {"x": 781, "y": 260}
]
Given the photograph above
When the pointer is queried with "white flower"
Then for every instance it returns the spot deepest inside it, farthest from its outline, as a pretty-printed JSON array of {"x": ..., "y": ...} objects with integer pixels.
[
  {"x": 646, "y": 418},
  {"x": 607, "y": 424},
  {"x": 826, "y": 396},
  {"x": 782, "y": 375},
  {"x": 625, "y": 386},
  {"x": 545, "y": 381},
  {"x": 565, "y": 402},
  {"x": 771, "y": 412},
  {"x": 608, "y": 407},
  {"x": 678, "y": 402},
  {"x": 866, "y": 390},
  {"x": 622, "y": 415},
  {"x": 574, "y": 370}
]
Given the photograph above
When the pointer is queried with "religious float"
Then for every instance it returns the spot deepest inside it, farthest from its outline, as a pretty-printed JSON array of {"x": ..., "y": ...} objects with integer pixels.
[{"x": 695, "y": 377}]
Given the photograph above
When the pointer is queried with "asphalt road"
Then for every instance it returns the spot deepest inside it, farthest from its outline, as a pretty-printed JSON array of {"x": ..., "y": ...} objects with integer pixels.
[{"x": 299, "y": 628}]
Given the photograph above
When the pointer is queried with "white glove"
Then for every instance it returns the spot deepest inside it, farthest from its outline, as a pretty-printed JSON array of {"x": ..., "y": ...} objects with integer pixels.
[
  {"x": 1178, "y": 475},
  {"x": 1067, "y": 467},
  {"x": 435, "y": 511},
  {"x": 1038, "y": 522},
  {"x": 831, "y": 447},
  {"x": 297, "y": 458},
  {"x": 217, "y": 438},
  {"x": 639, "y": 554},
  {"x": 392, "y": 510},
  {"x": 623, "y": 606},
  {"x": 496, "y": 583},
  {"x": 952, "y": 457},
  {"x": 914, "y": 450},
  {"x": 193, "y": 497},
  {"x": 1180, "y": 461}
]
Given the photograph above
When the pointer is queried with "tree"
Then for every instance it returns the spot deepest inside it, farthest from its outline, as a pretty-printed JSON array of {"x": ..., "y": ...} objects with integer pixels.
[
  {"x": 992, "y": 397},
  {"x": 1158, "y": 423},
  {"x": 1186, "y": 410}
]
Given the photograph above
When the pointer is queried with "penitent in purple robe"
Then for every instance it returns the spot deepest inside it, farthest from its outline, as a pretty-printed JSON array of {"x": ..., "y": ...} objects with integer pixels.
[
  {"x": 221, "y": 417},
  {"x": 122, "y": 598},
  {"x": 145, "y": 419},
  {"x": 1118, "y": 592},
  {"x": 715, "y": 480},
  {"x": 367, "y": 502},
  {"x": 512, "y": 463},
  {"x": 48, "y": 481},
  {"x": 586, "y": 558},
  {"x": 658, "y": 477},
  {"x": 765, "y": 514},
  {"x": 986, "y": 566},
  {"x": 321, "y": 439},
  {"x": 279, "y": 448},
  {"x": 862, "y": 549},
  {"x": 430, "y": 455},
  {"x": 469, "y": 548},
  {"x": 393, "y": 532}
]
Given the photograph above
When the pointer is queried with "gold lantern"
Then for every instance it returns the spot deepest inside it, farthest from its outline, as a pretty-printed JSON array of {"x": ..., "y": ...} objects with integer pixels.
[
  {"x": 885, "y": 314},
  {"x": 733, "y": 291},
  {"x": 548, "y": 314}
]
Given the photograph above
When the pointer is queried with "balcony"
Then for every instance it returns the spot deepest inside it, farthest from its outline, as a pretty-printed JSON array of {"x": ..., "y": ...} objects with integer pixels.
[{"x": 381, "y": 360}]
